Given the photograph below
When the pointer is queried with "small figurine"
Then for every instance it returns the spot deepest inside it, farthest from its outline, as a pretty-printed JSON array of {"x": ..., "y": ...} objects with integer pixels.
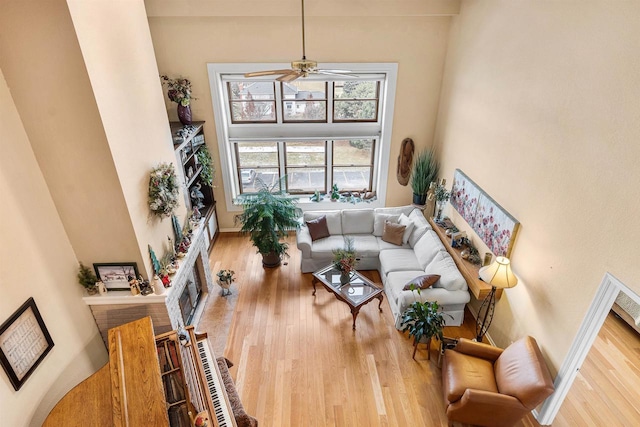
[
  {"x": 166, "y": 281},
  {"x": 197, "y": 197},
  {"x": 135, "y": 287}
]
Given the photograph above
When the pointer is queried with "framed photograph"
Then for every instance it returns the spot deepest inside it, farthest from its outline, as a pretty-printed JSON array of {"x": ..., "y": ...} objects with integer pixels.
[
  {"x": 456, "y": 238},
  {"x": 24, "y": 343},
  {"x": 116, "y": 275}
]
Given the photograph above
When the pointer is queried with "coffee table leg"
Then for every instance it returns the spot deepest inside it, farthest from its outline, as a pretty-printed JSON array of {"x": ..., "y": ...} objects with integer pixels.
[
  {"x": 313, "y": 282},
  {"x": 380, "y": 297},
  {"x": 354, "y": 313}
]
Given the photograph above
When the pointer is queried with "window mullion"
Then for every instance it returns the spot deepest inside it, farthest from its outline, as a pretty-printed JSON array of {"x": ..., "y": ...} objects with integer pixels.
[{"x": 278, "y": 97}]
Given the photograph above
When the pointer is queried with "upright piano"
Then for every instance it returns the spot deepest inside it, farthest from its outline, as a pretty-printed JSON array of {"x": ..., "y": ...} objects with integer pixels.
[{"x": 166, "y": 380}]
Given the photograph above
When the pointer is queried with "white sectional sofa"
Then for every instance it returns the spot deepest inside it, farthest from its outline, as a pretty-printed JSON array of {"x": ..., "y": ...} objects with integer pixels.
[{"x": 423, "y": 253}]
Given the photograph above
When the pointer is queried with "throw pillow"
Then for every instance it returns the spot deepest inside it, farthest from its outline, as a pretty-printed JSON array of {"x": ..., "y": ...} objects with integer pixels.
[
  {"x": 318, "y": 228},
  {"x": 379, "y": 220},
  {"x": 409, "y": 224},
  {"x": 422, "y": 282},
  {"x": 393, "y": 233}
]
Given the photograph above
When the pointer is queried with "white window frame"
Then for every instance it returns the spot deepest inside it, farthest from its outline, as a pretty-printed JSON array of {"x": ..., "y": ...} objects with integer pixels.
[{"x": 382, "y": 130}]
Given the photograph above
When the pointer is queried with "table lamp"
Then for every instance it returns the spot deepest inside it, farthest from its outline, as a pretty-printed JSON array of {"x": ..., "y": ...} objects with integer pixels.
[{"x": 498, "y": 275}]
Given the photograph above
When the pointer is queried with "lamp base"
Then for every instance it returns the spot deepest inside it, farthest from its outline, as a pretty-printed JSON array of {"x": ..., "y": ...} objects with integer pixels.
[{"x": 485, "y": 314}]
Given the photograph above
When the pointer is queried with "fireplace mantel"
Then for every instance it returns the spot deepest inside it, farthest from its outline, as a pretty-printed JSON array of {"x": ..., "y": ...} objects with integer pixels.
[{"x": 119, "y": 307}]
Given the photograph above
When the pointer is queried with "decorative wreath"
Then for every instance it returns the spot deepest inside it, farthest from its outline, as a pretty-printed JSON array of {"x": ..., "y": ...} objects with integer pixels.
[{"x": 163, "y": 190}]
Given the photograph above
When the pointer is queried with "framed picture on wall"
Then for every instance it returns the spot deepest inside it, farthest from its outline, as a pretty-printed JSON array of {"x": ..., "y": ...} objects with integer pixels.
[
  {"x": 24, "y": 343},
  {"x": 116, "y": 275}
]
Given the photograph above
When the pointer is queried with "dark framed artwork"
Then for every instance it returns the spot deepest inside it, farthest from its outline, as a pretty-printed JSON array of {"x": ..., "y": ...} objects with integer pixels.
[
  {"x": 116, "y": 275},
  {"x": 24, "y": 343}
]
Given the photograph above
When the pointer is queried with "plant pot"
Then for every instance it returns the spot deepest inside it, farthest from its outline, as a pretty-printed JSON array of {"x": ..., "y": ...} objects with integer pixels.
[
  {"x": 270, "y": 260},
  {"x": 184, "y": 114},
  {"x": 419, "y": 199}
]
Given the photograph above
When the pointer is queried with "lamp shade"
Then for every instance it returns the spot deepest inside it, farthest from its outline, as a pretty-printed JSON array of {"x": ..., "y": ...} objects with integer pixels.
[{"x": 499, "y": 273}]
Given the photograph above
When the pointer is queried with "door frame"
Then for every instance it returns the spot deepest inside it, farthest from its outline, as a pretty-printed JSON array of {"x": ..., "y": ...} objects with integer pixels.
[{"x": 589, "y": 329}]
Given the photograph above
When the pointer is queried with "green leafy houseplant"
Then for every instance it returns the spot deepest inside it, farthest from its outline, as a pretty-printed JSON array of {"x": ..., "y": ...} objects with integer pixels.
[
  {"x": 208, "y": 170},
  {"x": 423, "y": 173},
  {"x": 423, "y": 321},
  {"x": 267, "y": 216}
]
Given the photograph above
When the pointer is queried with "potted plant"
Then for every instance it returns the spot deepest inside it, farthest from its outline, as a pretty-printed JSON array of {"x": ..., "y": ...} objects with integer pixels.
[
  {"x": 225, "y": 279},
  {"x": 423, "y": 173},
  {"x": 180, "y": 93},
  {"x": 87, "y": 279},
  {"x": 423, "y": 321},
  {"x": 267, "y": 216},
  {"x": 345, "y": 260}
]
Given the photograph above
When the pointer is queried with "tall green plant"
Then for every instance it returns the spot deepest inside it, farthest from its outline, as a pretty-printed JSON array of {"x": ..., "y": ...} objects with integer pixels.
[
  {"x": 267, "y": 216},
  {"x": 424, "y": 172}
]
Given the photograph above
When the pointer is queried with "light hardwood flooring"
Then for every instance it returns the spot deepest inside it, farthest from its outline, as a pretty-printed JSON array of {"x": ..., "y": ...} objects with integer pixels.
[
  {"x": 299, "y": 363},
  {"x": 606, "y": 391}
]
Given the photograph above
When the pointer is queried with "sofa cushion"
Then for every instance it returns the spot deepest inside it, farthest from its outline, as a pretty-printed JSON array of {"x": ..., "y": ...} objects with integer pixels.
[
  {"x": 404, "y": 220},
  {"x": 323, "y": 248},
  {"x": 400, "y": 259},
  {"x": 379, "y": 220},
  {"x": 450, "y": 277},
  {"x": 394, "y": 288},
  {"x": 393, "y": 233},
  {"x": 334, "y": 220},
  {"x": 357, "y": 221},
  {"x": 424, "y": 281},
  {"x": 366, "y": 245},
  {"x": 382, "y": 245},
  {"x": 427, "y": 247},
  {"x": 318, "y": 228}
]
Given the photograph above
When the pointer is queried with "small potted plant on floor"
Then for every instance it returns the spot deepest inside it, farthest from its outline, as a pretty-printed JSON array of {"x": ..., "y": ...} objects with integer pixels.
[
  {"x": 267, "y": 216},
  {"x": 225, "y": 279},
  {"x": 423, "y": 321},
  {"x": 424, "y": 172}
]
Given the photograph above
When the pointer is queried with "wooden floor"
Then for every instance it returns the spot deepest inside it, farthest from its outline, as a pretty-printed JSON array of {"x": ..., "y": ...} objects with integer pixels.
[
  {"x": 606, "y": 391},
  {"x": 299, "y": 363}
]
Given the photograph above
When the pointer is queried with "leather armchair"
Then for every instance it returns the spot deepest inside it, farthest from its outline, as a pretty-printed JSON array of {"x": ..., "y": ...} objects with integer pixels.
[{"x": 489, "y": 386}]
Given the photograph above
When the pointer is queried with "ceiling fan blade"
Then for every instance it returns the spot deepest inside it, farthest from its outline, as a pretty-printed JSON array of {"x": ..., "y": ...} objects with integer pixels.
[
  {"x": 290, "y": 77},
  {"x": 267, "y": 73},
  {"x": 333, "y": 73},
  {"x": 336, "y": 71}
]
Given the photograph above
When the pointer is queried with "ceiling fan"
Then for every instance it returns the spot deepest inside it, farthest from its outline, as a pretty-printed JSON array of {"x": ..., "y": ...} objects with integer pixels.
[{"x": 300, "y": 68}]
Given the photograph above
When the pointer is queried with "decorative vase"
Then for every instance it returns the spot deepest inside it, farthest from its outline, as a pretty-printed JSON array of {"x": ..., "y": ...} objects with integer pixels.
[
  {"x": 439, "y": 208},
  {"x": 184, "y": 114},
  {"x": 344, "y": 277},
  {"x": 225, "y": 287}
]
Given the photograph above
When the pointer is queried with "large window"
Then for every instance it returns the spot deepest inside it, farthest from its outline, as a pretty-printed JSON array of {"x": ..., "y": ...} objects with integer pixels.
[{"x": 319, "y": 131}]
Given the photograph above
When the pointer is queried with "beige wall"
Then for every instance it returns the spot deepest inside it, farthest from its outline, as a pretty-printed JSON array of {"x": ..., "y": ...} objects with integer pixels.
[
  {"x": 44, "y": 68},
  {"x": 39, "y": 262},
  {"x": 540, "y": 107},
  {"x": 344, "y": 32},
  {"x": 118, "y": 54}
]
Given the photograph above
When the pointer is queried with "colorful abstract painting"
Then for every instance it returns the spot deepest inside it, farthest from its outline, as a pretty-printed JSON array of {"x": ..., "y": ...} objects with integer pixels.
[{"x": 489, "y": 220}]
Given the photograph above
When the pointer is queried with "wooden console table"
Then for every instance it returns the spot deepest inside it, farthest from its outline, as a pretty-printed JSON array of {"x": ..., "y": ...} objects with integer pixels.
[{"x": 469, "y": 271}]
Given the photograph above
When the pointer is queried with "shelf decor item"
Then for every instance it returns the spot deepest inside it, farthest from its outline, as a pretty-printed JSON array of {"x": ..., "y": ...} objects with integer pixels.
[
  {"x": 163, "y": 190},
  {"x": 87, "y": 279},
  {"x": 424, "y": 172},
  {"x": 441, "y": 196},
  {"x": 206, "y": 163},
  {"x": 116, "y": 275},
  {"x": 180, "y": 92}
]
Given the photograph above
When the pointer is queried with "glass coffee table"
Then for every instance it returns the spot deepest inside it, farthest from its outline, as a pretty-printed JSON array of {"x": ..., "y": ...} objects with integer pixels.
[{"x": 356, "y": 293}]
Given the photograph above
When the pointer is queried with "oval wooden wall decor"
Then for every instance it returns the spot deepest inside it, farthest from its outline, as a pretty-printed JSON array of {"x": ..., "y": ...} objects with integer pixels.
[{"x": 405, "y": 160}]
